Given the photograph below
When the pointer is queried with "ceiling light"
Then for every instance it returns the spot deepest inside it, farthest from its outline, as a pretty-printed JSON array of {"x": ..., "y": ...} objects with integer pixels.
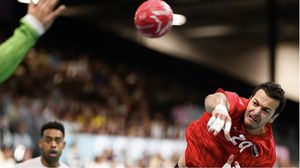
[{"x": 178, "y": 20}]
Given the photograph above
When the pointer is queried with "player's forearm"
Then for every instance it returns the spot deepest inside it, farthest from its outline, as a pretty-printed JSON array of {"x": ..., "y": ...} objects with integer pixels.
[
  {"x": 181, "y": 162},
  {"x": 217, "y": 105},
  {"x": 14, "y": 49},
  {"x": 212, "y": 100}
]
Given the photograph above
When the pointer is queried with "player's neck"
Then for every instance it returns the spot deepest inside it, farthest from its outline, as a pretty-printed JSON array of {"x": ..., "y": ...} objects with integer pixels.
[{"x": 258, "y": 131}]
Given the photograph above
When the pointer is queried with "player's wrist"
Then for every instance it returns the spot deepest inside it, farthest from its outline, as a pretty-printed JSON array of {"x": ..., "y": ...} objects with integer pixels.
[
  {"x": 35, "y": 23},
  {"x": 221, "y": 108}
]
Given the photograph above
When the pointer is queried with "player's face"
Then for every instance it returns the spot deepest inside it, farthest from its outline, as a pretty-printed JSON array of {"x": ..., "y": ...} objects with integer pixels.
[
  {"x": 260, "y": 111},
  {"x": 51, "y": 144}
]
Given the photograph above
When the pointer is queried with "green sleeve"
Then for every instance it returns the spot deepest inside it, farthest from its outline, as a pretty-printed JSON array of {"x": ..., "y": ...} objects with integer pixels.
[{"x": 14, "y": 49}]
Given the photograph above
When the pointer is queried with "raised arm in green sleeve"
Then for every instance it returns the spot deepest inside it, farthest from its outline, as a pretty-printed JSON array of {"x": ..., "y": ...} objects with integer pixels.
[{"x": 14, "y": 49}]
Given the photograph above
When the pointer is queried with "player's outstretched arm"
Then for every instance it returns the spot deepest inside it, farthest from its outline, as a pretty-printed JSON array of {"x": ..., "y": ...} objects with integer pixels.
[
  {"x": 217, "y": 104},
  {"x": 38, "y": 19}
]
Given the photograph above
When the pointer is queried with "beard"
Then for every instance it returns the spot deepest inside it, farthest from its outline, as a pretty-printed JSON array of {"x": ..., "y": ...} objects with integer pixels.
[
  {"x": 50, "y": 160},
  {"x": 252, "y": 127}
]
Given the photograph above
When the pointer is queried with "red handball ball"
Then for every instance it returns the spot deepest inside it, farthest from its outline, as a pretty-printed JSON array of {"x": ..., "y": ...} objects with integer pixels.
[{"x": 153, "y": 18}]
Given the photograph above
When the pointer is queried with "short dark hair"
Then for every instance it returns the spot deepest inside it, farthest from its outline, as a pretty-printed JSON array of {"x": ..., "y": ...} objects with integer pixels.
[
  {"x": 53, "y": 125},
  {"x": 274, "y": 91}
]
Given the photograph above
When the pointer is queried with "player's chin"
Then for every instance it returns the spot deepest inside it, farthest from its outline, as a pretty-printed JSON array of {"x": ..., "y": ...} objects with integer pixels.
[{"x": 249, "y": 123}]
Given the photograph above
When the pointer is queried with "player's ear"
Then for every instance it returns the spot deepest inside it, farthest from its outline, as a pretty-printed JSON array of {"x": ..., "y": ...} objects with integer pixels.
[
  {"x": 273, "y": 118},
  {"x": 64, "y": 144}
]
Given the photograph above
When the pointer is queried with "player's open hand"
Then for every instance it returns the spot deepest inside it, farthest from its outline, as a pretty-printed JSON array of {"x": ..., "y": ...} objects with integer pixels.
[
  {"x": 229, "y": 162},
  {"x": 220, "y": 120},
  {"x": 45, "y": 11}
]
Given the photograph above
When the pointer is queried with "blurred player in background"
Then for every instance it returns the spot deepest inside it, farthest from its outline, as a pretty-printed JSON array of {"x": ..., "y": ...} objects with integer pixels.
[
  {"x": 246, "y": 125},
  {"x": 38, "y": 19},
  {"x": 51, "y": 144}
]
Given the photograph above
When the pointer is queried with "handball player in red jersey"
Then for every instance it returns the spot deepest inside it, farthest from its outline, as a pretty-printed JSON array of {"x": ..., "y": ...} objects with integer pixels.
[{"x": 246, "y": 125}]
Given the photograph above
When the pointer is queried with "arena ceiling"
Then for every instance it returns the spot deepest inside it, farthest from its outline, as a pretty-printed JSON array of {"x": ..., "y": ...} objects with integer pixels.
[
  {"x": 208, "y": 21},
  {"x": 222, "y": 34}
]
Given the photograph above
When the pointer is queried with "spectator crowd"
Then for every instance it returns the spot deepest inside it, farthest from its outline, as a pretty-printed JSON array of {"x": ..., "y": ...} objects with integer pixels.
[{"x": 96, "y": 97}]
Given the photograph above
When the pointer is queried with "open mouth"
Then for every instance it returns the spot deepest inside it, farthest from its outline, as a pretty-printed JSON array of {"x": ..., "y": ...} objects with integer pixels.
[
  {"x": 254, "y": 119},
  {"x": 53, "y": 154}
]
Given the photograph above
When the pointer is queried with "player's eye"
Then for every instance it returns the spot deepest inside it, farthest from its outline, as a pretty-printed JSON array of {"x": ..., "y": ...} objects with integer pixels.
[
  {"x": 57, "y": 140},
  {"x": 255, "y": 103}
]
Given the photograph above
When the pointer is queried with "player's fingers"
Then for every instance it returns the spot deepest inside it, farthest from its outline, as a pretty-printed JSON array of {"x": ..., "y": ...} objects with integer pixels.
[
  {"x": 237, "y": 165},
  {"x": 210, "y": 121},
  {"x": 218, "y": 125},
  {"x": 229, "y": 161},
  {"x": 41, "y": 2},
  {"x": 227, "y": 130},
  {"x": 59, "y": 10},
  {"x": 213, "y": 124},
  {"x": 51, "y": 3},
  {"x": 30, "y": 4},
  {"x": 35, "y": 1},
  {"x": 226, "y": 165}
]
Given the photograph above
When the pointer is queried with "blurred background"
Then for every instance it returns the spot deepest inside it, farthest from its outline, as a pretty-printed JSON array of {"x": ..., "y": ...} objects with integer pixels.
[{"x": 125, "y": 99}]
